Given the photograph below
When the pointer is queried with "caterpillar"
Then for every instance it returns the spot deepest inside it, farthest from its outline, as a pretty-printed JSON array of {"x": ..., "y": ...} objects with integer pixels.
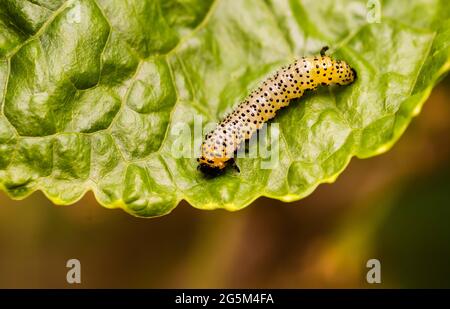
[{"x": 289, "y": 82}]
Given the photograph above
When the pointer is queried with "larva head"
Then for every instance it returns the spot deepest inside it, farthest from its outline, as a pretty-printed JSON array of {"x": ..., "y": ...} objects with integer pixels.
[
  {"x": 218, "y": 148},
  {"x": 210, "y": 171},
  {"x": 213, "y": 158}
]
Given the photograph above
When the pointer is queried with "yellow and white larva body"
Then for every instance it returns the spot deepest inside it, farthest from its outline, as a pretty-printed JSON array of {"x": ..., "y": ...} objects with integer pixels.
[{"x": 275, "y": 92}]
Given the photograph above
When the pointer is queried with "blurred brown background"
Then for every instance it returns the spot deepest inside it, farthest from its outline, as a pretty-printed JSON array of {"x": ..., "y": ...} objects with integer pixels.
[{"x": 394, "y": 207}]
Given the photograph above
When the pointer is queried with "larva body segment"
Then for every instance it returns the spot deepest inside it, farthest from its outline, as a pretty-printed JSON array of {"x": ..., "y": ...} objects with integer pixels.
[{"x": 275, "y": 92}]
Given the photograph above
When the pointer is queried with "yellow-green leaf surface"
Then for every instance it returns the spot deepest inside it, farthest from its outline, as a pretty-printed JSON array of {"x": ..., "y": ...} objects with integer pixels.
[{"x": 91, "y": 91}]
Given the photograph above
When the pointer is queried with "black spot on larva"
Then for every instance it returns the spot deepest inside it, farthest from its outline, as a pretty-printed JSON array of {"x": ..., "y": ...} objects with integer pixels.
[{"x": 293, "y": 80}]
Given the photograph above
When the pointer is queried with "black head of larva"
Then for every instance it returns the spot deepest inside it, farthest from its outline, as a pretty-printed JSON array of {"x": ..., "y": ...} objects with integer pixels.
[{"x": 210, "y": 171}]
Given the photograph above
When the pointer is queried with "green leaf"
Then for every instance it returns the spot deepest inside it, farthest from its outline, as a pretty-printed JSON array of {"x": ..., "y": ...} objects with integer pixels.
[{"x": 92, "y": 92}]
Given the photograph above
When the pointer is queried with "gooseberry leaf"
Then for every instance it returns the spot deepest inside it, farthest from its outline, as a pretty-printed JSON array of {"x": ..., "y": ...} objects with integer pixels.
[{"x": 92, "y": 92}]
